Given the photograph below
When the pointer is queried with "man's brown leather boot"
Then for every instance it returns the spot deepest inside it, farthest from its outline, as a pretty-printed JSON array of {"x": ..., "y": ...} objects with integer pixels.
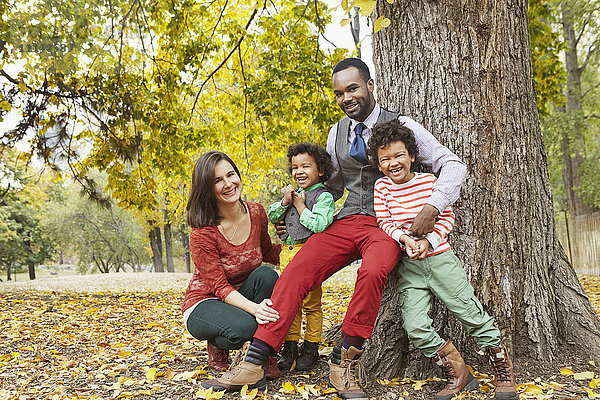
[
  {"x": 240, "y": 373},
  {"x": 344, "y": 370},
  {"x": 504, "y": 376},
  {"x": 455, "y": 371}
]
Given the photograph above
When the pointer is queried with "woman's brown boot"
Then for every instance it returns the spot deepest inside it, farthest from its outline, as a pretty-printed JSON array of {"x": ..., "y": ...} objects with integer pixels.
[{"x": 218, "y": 359}]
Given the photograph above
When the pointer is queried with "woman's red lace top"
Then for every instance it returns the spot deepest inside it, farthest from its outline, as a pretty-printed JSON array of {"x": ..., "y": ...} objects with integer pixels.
[{"x": 222, "y": 267}]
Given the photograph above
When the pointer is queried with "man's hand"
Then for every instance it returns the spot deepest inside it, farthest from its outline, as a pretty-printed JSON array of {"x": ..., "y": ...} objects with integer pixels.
[
  {"x": 424, "y": 221},
  {"x": 264, "y": 313},
  {"x": 280, "y": 228}
]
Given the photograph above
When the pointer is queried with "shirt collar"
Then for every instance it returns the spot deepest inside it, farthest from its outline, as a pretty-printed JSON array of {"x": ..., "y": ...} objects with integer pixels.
[
  {"x": 370, "y": 121},
  {"x": 316, "y": 185}
]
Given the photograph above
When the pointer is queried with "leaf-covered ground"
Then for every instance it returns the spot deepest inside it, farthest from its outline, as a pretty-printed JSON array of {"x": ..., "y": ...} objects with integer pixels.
[{"x": 121, "y": 336}]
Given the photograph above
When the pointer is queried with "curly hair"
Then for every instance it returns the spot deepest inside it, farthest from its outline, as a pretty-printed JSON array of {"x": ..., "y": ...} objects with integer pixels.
[
  {"x": 392, "y": 131},
  {"x": 318, "y": 153}
]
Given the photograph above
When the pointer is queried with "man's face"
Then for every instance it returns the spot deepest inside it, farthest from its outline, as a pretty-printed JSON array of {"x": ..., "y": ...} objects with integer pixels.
[{"x": 353, "y": 94}]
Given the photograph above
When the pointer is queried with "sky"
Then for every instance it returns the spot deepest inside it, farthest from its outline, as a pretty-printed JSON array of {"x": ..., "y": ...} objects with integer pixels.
[{"x": 342, "y": 37}]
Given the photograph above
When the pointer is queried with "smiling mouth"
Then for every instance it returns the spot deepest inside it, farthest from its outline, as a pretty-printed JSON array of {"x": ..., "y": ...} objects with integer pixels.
[
  {"x": 351, "y": 107},
  {"x": 230, "y": 192},
  {"x": 396, "y": 170}
]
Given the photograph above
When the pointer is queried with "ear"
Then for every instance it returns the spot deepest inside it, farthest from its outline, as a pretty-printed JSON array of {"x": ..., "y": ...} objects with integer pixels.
[
  {"x": 379, "y": 167},
  {"x": 321, "y": 173},
  {"x": 371, "y": 85}
]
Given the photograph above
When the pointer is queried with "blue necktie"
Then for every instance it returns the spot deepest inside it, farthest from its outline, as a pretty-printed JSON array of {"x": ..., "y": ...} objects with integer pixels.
[{"x": 358, "y": 150}]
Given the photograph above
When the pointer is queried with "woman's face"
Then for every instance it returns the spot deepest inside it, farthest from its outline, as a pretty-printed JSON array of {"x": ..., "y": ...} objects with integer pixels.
[{"x": 228, "y": 185}]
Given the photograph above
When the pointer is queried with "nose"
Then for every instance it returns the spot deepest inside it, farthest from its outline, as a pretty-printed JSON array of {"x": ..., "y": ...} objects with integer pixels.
[{"x": 347, "y": 96}]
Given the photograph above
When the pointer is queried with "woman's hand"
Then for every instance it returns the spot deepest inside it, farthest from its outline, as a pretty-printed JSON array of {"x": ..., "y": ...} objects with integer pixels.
[{"x": 264, "y": 313}]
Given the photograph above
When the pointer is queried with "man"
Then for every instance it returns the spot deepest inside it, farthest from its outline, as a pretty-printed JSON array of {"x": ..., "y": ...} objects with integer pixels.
[{"x": 353, "y": 235}]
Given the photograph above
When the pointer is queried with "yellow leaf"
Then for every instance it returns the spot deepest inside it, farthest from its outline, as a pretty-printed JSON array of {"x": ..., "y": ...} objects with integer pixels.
[
  {"x": 580, "y": 376},
  {"x": 535, "y": 389},
  {"x": 345, "y": 5},
  {"x": 594, "y": 383},
  {"x": 329, "y": 391},
  {"x": 151, "y": 374},
  {"x": 288, "y": 387},
  {"x": 377, "y": 24},
  {"x": 390, "y": 1},
  {"x": 591, "y": 393},
  {"x": 5, "y": 105},
  {"x": 380, "y": 23},
  {"x": 22, "y": 86},
  {"x": 419, "y": 384},
  {"x": 208, "y": 394},
  {"x": 345, "y": 21},
  {"x": 124, "y": 353},
  {"x": 566, "y": 371},
  {"x": 368, "y": 7}
]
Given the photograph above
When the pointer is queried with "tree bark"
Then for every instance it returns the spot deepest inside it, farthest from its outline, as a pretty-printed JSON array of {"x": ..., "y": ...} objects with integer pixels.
[
  {"x": 156, "y": 246},
  {"x": 31, "y": 269},
  {"x": 168, "y": 243},
  {"x": 463, "y": 69},
  {"x": 185, "y": 241},
  {"x": 573, "y": 140}
]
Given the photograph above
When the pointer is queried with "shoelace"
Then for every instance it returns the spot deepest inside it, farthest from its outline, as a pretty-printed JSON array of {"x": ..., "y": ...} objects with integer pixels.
[
  {"x": 358, "y": 367},
  {"x": 236, "y": 360},
  {"x": 448, "y": 371},
  {"x": 502, "y": 370}
]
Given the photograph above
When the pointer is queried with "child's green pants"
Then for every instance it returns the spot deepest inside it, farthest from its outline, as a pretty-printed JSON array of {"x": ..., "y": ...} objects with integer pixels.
[{"x": 441, "y": 276}]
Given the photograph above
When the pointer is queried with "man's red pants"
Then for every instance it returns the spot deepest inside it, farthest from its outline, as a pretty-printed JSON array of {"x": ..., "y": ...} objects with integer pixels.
[{"x": 346, "y": 240}]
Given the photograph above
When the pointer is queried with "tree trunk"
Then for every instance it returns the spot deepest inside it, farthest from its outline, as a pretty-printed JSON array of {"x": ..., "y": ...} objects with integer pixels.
[
  {"x": 572, "y": 141},
  {"x": 8, "y": 272},
  {"x": 156, "y": 246},
  {"x": 31, "y": 269},
  {"x": 185, "y": 241},
  {"x": 168, "y": 243},
  {"x": 463, "y": 69}
]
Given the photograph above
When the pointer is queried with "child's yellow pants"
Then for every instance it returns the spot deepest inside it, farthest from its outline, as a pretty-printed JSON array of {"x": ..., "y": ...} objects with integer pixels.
[{"x": 311, "y": 306}]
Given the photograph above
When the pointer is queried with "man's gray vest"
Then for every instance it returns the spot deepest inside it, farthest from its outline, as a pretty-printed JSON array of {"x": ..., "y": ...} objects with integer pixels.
[
  {"x": 359, "y": 179},
  {"x": 294, "y": 228}
]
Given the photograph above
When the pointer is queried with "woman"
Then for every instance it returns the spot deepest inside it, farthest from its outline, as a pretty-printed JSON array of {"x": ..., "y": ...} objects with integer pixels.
[{"x": 230, "y": 289}]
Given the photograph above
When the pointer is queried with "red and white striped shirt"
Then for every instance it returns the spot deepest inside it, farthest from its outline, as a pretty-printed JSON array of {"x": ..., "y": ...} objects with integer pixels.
[{"x": 397, "y": 206}]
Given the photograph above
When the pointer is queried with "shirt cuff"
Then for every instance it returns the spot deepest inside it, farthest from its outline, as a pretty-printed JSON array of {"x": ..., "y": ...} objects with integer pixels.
[
  {"x": 433, "y": 239},
  {"x": 439, "y": 201}
]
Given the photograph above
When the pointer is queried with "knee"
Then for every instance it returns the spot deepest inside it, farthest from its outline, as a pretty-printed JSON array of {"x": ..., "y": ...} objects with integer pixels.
[
  {"x": 267, "y": 276},
  {"x": 236, "y": 336},
  {"x": 376, "y": 275}
]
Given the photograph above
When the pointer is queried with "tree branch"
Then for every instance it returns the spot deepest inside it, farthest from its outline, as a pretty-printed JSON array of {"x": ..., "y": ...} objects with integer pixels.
[{"x": 222, "y": 63}]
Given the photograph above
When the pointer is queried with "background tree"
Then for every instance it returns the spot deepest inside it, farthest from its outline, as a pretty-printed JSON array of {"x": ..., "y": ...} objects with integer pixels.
[
  {"x": 23, "y": 240},
  {"x": 465, "y": 72}
]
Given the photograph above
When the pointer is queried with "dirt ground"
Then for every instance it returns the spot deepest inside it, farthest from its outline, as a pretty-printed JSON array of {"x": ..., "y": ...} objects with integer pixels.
[{"x": 121, "y": 336}]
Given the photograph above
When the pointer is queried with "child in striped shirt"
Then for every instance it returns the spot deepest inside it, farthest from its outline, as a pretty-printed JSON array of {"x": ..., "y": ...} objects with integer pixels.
[{"x": 429, "y": 267}]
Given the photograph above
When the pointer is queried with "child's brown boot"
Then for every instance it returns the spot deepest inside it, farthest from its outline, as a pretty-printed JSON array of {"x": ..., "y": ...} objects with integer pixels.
[
  {"x": 504, "y": 376},
  {"x": 455, "y": 371}
]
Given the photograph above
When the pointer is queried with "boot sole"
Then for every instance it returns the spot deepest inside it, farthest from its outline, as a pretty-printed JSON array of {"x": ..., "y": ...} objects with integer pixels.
[
  {"x": 260, "y": 385},
  {"x": 472, "y": 385},
  {"x": 348, "y": 397}
]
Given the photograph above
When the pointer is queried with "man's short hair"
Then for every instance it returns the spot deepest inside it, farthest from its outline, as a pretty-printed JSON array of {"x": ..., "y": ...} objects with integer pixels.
[{"x": 357, "y": 63}]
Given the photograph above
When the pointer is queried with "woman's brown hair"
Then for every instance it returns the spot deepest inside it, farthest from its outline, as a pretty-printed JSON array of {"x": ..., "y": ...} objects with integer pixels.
[{"x": 202, "y": 209}]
